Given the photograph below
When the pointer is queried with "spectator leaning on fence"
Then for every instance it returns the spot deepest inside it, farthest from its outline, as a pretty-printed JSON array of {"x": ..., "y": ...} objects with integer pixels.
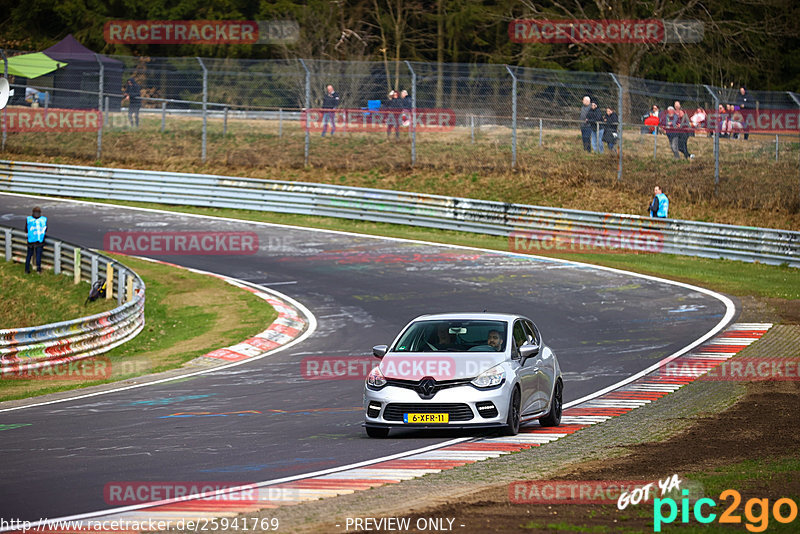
[
  {"x": 659, "y": 207},
  {"x": 393, "y": 114},
  {"x": 595, "y": 117},
  {"x": 610, "y": 130},
  {"x": 329, "y": 101},
  {"x": 743, "y": 102},
  {"x": 586, "y": 130},
  {"x": 685, "y": 131},
  {"x": 133, "y": 92},
  {"x": 669, "y": 123},
  {"x": 37, "y": 228}
]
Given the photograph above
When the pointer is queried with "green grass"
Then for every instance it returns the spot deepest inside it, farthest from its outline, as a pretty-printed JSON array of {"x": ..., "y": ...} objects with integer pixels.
[
  {"x": 186, "y": 314},
  {"x": 732, "y": 277},
  {"x": 36, "y": 299}
]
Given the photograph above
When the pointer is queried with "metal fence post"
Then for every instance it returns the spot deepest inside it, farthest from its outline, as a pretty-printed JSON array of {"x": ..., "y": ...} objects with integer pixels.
[
  {"x": 540, "y": 132},
  {"x": 163, "y": 116},
  {"x": 203, "y": 151},
  {"x": 5, "y": 75},
  {"x": 796, "y": 99},
  {"x": 716, "y": 139},
  {"x": 655, "y": 141},
  {"x": 472, "y": 127},
  {"x": 100, "y": 107},
  {"x": 280, "y": 122},
  {"x": 513, "y": 118},
  {"x": 57, "y": 257},
  {"x": 225, "y": 122},
  {"x": 109, "y": 280},
  {"x": 308, "y": 110},
  {"x": 7, "y": 233},
  {"x": 76, "y": 265},
  {"x": 413, "y": 114},
  {"x": 94, "y": 269},
  {"x": 619, "y": 125}
]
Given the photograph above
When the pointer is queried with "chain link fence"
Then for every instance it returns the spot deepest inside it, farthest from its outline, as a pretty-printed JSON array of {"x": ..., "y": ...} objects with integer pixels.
[{"x": 457, "y": 117}]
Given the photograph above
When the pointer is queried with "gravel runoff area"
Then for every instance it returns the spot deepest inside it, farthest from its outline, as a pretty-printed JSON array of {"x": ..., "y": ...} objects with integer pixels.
[{"x": 704, "y": 425}]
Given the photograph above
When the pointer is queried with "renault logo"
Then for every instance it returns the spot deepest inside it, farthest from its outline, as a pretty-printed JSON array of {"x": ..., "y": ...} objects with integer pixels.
[{"x": 426, "y": 387}]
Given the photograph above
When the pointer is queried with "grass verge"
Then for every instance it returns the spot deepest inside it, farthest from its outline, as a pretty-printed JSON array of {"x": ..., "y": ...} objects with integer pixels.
[
  {"x": 36, "y": 299},
  {"x": 753, "y": 188},
  {"x": 179, "y": 305}
]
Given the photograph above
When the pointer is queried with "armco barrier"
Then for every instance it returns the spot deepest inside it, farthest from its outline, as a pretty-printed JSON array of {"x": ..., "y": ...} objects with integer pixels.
[
  {"x": 452, "y": 213},
  {"x": 26, "y": 349}
]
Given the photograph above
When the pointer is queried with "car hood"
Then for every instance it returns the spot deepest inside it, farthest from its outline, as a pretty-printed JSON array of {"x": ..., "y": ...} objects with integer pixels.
[{"x": 440, "y": 366}]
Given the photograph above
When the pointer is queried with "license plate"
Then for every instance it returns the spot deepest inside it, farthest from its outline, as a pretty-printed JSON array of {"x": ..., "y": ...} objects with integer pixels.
[{"x": 426, "y": 417}]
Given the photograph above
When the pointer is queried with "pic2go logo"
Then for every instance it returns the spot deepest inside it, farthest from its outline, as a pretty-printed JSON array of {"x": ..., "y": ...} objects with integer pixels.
[{"x": 756, "y": 511}]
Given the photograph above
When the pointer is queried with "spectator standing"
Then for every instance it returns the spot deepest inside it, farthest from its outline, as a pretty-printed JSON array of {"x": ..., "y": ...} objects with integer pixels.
[
  {"x": 133, "y": 92},
  {"x": 586, "y": 130},
  {"x": 610, "y": 130},
  {"x": 329, "y": 101},
  {"x": 393, "y": 115},
  {"x": 743, "y": 102},
  {"x": 669, "y": 123},
  {"x": 36, "y": 227},
  {"x": 405, "y": 104},
  {"x": 684, "y": 131},
  {"x": 659, "y": 207},
  {"x": 595, "y": 117}
]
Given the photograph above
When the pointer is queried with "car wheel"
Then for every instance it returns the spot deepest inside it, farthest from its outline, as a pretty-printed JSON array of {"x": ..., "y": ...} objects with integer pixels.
[
  {"x": 512, "y": 421},
  {"x": 377, "y": 432},
  {"x": 553, "y": 418}
]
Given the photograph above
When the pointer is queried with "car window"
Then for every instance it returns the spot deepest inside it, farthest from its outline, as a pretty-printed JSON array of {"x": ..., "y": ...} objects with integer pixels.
[
  {"x": 519, "y": 334},
  {"x": 451, "y": 336},
  {"x": 531, "y": 332}
]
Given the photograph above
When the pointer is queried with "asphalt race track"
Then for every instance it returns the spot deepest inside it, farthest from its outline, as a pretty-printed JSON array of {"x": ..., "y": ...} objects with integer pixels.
[{"x": 603, "y": 325}]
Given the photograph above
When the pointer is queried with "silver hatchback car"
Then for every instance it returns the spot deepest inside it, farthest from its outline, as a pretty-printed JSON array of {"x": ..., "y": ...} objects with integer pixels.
[{"x": 464, "y": 370}]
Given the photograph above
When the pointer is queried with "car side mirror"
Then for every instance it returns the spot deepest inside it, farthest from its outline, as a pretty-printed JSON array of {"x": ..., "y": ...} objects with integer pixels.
[
  {"x": 379, "y": 351},
  {"x": 526, "y": 351}
]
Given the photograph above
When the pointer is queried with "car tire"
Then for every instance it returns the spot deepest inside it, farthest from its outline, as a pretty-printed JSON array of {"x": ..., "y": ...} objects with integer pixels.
[
  {"x": 513, "y": 419},
  {"x": 377, "y": 432},
  {"x": 553, "y": 417}
]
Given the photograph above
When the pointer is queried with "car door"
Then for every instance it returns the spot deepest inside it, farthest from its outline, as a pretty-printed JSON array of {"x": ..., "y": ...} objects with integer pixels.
[
  {"x": 543, "y": 366},
  {"x": 528, "y": 379}
]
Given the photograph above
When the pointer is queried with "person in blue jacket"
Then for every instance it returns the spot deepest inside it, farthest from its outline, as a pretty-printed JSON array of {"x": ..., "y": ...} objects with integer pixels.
[
  {"x": 36, "y": 228},
  {"x": 659, "y": 207}
]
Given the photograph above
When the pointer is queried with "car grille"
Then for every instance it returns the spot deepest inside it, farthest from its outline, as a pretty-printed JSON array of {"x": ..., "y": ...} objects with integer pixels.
[
  {"x": 457, "y": 412},
  {"x": 436, "y": 386}
]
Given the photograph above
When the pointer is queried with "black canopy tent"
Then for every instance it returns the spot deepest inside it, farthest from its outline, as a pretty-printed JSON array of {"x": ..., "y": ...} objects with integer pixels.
[{"x": 82, "y": 74}]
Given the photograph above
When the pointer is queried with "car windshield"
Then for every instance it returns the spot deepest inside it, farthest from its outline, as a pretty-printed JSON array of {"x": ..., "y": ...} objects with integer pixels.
[{"x": 453, "y": 336}]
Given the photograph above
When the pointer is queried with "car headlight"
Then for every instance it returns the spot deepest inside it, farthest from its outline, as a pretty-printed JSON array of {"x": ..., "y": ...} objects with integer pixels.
[
  {"x": 375, "y": 378},
  {"x": 491, "y": 377}
]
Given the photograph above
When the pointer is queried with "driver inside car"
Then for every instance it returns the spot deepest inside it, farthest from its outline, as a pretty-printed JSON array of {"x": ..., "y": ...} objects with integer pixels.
[{"x": 495, "y": 340}]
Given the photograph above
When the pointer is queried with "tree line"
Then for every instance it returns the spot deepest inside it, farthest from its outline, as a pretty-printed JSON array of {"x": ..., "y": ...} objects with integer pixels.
[{"x": 753, "y": 43}]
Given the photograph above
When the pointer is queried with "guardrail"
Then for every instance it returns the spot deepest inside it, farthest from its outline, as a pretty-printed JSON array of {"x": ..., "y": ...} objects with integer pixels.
[
  {"x": 537, "y": 224},
  {"x": 26, "y": 349}
]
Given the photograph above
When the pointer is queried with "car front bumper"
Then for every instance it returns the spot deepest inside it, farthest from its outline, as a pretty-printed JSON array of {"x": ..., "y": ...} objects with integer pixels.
[{"x": 461, "y": 395}]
